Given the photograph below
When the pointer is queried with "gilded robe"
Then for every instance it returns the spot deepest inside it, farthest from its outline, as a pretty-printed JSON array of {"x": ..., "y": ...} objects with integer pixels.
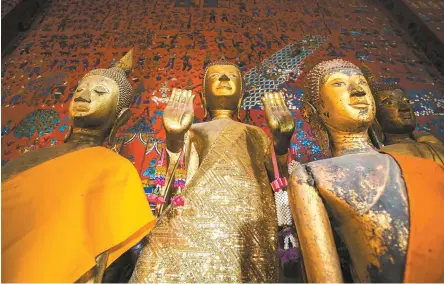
[{"x": 227, "y": 229}]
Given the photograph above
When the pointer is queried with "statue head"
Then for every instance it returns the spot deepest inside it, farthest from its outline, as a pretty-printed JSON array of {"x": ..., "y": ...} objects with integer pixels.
[
  {"x": 101, "y": 100},
  {"x": 222, "y": 87},
  {"x": 394, "y": 111},
  {"x": 338, "y": 98}
]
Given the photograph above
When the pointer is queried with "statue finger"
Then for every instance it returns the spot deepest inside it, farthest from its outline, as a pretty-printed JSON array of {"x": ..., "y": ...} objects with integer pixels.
[
  {"x": 189, "y": 95},
  {"x": 264, "y": 100},
  {"x": 182, "y": 97},
  {"x": 281, "y": 101},
  {"x": 173, "y": 96},
  {"x": 178, "y": 98},
  {"x": 275, "y": 99},
  {"x": 190, "y": 102}
]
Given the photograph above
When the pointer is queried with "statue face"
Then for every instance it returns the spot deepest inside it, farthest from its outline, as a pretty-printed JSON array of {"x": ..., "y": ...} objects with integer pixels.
[
  {"x": 94, "y": 102},
  {"x": 346, "y": 102},
  {"x": 395, "y": 112},
  {"x": 223, "y": 87}
]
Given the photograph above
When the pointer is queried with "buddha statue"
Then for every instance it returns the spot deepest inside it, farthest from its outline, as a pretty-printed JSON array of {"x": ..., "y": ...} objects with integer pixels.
[
  {"x": 227, "y": 229},
  {"x": 385, "y": 208},
  {"x": 396, "y": 116},
  {"x": 70, "y": 211}
]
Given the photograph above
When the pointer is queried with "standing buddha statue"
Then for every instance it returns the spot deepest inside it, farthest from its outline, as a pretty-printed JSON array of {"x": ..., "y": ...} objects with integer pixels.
[
  {"x": 227, "y": 230},
  {"x": 396, "y": 116},
  {"x": 384, "y": 207},
  {"x": 70, "y": 211}
]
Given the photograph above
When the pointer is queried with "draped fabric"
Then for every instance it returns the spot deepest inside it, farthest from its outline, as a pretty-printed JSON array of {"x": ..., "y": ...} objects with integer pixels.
[
  {"x": 54, "y": 228},
  {"x": 227, "y": 230},
  {"x": 424, "y": 180}
]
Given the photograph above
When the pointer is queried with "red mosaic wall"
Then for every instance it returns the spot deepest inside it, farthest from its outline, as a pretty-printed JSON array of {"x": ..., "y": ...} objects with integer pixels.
[{"x": 173, "y": 42}]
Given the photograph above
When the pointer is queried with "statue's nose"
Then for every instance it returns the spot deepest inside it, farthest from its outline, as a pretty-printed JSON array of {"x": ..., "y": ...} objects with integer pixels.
[
  {"x": 357, "y": 91},
  {"x": 224, "y": 78}
]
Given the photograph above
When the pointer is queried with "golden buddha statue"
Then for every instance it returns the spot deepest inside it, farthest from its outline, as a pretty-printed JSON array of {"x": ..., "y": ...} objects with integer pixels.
[
  {"x": 396, "y": 116},
  {"x": 384, "y": 207},
  {"x": 227, "y": 229},
  {"x": 69, "y": 211}
]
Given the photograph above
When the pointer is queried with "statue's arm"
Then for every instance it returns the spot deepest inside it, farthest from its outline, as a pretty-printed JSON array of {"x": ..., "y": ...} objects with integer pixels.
[
  {"x": 281, "y": 123},
  {"x": 313, "y": 226}
]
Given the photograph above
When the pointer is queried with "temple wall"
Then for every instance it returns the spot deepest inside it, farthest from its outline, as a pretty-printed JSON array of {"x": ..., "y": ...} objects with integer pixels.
[{"x": 72, "y": 37}]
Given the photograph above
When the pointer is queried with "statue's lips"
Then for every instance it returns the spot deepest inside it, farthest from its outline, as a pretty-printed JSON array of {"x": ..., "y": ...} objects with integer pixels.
[
  {"x": 81, "y": 106},
  {"x": 224, "y": 87},
  {"x": 360, "y": 105}
]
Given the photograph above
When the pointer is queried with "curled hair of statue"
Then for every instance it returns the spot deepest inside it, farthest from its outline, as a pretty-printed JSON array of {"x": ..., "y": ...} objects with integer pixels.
[{"x": 222, "y": 61}]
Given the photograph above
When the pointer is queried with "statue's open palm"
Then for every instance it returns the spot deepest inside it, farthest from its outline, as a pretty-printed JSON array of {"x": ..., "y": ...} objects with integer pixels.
[
  {"x": 279, "y": 118},
  {"x": 178, "y": 114}
]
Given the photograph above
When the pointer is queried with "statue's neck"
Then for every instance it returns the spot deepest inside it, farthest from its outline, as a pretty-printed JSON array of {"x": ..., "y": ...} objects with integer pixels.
[
  {"x": 221, "y": 114},
  {"x": 92, "y": 137},
  {"x": 345, "y": 143},
  {"x": 390, "y": 138}
]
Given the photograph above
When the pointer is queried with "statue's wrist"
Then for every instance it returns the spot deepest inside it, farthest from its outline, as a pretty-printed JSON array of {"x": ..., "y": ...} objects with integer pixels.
[
  {"x": 174, "y": 142},
  {"x": 281, "y": 146}
]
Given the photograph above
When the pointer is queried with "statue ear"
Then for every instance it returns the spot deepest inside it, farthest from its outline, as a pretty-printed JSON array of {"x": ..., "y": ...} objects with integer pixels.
[
  {"x": 121, "y": 119},
  {"x": 376, "y": 135},
  {"x": 310, "y": 114},
  {"x": 68, "y": 134},
  {"x": 204, "y": 104},
  {"x": 239, "y": 107}
]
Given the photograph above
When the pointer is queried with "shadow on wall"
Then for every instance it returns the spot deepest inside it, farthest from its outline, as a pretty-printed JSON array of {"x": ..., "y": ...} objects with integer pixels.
[{"x": 19, "y": 19}]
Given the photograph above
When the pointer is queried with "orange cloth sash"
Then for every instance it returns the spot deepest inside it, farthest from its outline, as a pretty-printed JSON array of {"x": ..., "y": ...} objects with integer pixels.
[
  {"x": 59, "y": 216},
  {"x": 424, "y": 180}
]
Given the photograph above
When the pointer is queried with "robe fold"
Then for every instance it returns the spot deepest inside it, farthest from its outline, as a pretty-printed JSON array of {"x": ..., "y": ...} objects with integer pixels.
[{"x": 57, "y": 217}]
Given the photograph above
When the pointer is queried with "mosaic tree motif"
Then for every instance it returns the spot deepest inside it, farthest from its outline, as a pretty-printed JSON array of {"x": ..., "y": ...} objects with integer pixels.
[{"x": 40, "y": 121}]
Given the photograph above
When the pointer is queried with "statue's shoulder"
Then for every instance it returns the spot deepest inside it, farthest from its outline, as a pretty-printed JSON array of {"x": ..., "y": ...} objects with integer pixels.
[
  {"x": 347, "y": 163},
  {"x": 422, "y": 136}
]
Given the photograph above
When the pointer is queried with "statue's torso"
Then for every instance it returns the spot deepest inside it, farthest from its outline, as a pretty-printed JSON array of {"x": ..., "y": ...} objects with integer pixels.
[
  {"x": 204, "y": 135},
  {"x": 366, "y": 199},
  {"x": 227, "y": 230}
]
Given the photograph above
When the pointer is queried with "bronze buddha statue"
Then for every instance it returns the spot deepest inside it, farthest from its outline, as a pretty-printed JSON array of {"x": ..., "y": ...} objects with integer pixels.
[
  {"x": 227, "y": 230},
  {"x": 374, "y": 201},
  {"x": 395, "y": 115},
  {"x": 70, "y": 211}
]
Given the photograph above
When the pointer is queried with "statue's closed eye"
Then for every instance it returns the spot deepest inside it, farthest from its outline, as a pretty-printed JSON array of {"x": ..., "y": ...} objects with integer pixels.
[
  {"x": 100, "y": 90},
  {"x": 338, "y": 84}
]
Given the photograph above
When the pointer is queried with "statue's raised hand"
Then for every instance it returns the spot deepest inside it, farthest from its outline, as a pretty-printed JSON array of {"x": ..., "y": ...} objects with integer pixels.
[
  {"x": 279, "y": 119},
  {"x": 178, "y": 116}
]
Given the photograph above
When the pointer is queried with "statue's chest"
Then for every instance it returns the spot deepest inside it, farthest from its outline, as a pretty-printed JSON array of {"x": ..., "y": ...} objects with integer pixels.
[
  {"x": 367, "y": 203},
  {"x": 231, "y": 140}
]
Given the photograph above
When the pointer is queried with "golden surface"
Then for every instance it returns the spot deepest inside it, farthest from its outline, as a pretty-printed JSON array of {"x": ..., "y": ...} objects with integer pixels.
[
  {"x": 396, "y": 116},
  {"x": 227, "y": 230},
  {"x": 361, "y": 191},
  {"x": 314, "y": 232}
]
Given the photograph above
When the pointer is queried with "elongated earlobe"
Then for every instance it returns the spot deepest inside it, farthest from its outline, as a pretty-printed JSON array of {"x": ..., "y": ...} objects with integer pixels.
[{"x": 123, "y": 117}]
